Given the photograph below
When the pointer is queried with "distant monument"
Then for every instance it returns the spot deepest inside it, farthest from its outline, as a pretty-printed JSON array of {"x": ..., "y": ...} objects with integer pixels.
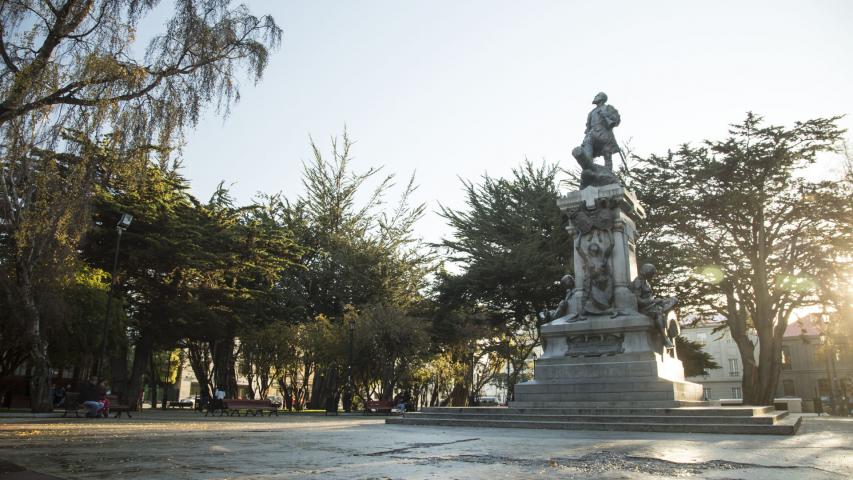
[
  {"x": 610, "y": 339},
  {"x": 609, "y": 356}
]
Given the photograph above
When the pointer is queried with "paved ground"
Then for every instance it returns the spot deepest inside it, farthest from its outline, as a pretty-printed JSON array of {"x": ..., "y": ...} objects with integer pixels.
[{"x": 186, "y": 445}]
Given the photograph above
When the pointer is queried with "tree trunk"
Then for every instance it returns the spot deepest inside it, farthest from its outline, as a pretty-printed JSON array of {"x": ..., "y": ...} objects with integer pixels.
[
  {"x": 141, "y": 357},
  {"x": 40, "y": 400},
  {"x": 119, "y": 379},
  {"x": 264, "y": 389},
  {"x": 224, "y": 359},
  {"x": 320, "y": 390},
  {"x": 153, "y": 386},
  {"x": 199, "y": 357}
]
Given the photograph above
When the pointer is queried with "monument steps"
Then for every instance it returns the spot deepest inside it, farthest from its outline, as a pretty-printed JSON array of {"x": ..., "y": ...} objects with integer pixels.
[
  {"x": 597, "y": 418},
  {"x": 758, "y": 420},
  {"x": 596, "y": 396},
  {"x": 609, "y": 404},
  {"x": 738, "y": 411}
]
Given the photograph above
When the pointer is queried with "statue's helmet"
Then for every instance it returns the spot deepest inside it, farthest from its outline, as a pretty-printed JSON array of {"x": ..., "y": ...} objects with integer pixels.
[
  {"x": 568, "y": 281},
  {"x": 600, "y": 97},
  {"x": 648, "y": 270}
]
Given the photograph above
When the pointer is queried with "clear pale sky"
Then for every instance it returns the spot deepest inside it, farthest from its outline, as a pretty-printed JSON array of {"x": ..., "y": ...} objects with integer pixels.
[{"x": 460, "y": 88}]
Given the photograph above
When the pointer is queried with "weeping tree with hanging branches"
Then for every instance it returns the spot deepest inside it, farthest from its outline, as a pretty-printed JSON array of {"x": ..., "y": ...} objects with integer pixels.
[{"x": 71, "y": 65}]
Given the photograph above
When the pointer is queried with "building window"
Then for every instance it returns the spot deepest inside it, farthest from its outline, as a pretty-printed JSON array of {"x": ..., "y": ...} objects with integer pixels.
[
  {"x": 786, "y": 358},
  {"x": 788, "y": 388},
  {"x": 816, "y": 358},
  {"x": 706, "y": 393},
  {"x": 736, "y": 393},
  {"x": 734, "y": 368}
]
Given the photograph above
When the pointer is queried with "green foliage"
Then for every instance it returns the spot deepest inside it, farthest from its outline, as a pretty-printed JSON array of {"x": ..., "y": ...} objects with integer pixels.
[
  {"x": 696, "y": 361},
  {"x": 77, "y": 56},
  {"x": 69, "y": 75},
  {"x": 740, "y": 233},
  {"x": 511, "y": 242},
  {"x": 513, "y": 247}
]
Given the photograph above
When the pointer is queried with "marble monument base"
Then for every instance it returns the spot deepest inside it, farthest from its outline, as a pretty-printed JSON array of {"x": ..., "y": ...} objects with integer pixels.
[{"x": 606, "y": 360}]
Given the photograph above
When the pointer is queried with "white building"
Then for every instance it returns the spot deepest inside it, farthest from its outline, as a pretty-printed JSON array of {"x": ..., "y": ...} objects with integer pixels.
[{"x": 725, "y": 382}]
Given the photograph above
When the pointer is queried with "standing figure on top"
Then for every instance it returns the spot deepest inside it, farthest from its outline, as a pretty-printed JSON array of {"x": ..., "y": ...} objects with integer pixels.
[{"x": 599, "y": 140}]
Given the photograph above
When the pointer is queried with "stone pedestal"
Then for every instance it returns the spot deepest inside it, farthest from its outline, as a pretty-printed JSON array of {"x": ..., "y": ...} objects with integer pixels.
[{"x": 612, "y": 357}]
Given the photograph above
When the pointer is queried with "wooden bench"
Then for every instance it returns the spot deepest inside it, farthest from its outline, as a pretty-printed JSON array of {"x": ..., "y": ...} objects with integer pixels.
[
  {"x": 179, "y": 403},
  {"x": 72, "y": 404},
  {"x": 237, "y": 406},
  {"x": 118, "y": 407},
  {"x": 379, "y": 406}
]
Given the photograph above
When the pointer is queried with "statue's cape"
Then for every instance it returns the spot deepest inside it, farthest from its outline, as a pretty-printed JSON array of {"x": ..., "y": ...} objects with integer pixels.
[{"x": 611, "y": 114}]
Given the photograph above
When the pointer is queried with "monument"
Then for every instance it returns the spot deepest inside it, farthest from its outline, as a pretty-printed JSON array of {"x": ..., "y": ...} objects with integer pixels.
[
  {"x": 609, "y": 360},
  {"x": 610, "y": 340}
]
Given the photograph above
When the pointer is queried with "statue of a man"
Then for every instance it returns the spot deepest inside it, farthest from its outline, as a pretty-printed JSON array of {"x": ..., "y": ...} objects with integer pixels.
[
  {"x": 656, "y": 308},
  {"x": 599, "y": 140},
  {"x": 562, "y": 310}
]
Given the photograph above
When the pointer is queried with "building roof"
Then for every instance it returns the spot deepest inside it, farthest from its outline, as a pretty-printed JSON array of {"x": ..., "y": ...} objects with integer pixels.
[
  {"x": 804, "y": 326},
  {"x": 808, "y": 325}
]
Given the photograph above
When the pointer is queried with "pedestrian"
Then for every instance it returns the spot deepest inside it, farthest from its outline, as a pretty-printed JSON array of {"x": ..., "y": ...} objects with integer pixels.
[{"x": 103, "y": 397}]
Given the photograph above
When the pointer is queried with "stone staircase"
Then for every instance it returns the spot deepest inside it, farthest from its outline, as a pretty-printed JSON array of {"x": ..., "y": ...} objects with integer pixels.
[{"x": 683, "y": 419}]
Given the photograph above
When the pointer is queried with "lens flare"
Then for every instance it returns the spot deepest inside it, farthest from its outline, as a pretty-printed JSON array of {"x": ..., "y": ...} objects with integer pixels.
[{"x": 710, "y": 274}]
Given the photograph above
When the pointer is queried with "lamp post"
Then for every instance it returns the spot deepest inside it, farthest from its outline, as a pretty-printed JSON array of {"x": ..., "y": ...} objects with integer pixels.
[
  {"x": 348, "y": 395},
  {"x": 121, "y": 226},
  {"x": 508, "y": 363}
]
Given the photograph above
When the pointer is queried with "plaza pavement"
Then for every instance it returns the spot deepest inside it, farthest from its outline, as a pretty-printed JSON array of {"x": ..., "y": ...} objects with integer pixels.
[{"x": 187, "y": 445}]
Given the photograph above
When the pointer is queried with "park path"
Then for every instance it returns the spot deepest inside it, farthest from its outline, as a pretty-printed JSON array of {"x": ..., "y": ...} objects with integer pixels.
[{"x": 186, "y": 445}]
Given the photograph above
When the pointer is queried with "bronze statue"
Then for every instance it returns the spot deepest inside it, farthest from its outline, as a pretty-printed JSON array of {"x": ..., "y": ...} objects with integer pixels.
[
  {"x": 568, "y": 282},
  {"x": 656, "y": 308},
  {"x": 598, "y": 279},
  {"x": 599, "y": 140}
]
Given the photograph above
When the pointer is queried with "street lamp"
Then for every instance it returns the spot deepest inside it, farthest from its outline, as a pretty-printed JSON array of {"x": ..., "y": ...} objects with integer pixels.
[
  {"x": 508, "y": 363},
  {"x": 121, "y": 226},
  {"x": 348, "y": 397}
]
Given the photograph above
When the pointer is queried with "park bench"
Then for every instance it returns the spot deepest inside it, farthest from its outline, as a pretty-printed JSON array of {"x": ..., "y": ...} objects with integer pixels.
[
  {"x": 72, "y": 404},
  {"x": 117, "y": 407},
  {"x": 179, "y": 403},
  {"x": 379, "y": 406},
  {"x": 236, "y": 406}
]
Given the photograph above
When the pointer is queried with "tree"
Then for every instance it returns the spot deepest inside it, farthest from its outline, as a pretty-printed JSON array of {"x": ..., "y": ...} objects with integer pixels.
[
  {"x": 753, "y": 238},
  {"x": 696, "y": 361},
  {"x": 74, "y": 57},
  {"x": 390, "y": 345},
  {"x": 356, "y": 253},
  {"x": 195, "y": 274},
  {"x": 514, "y": 248},
  {"x": 69, "y": 65}
]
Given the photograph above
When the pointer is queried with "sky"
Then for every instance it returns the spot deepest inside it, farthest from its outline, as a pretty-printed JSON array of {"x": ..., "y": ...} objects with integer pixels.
[{"x": 454, "y": 90}]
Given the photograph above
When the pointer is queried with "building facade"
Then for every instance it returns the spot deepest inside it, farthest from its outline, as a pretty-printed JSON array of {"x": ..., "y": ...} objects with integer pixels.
[
  {"x": 811, "y": 363},
  {"x": 725, "y": 382}
]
